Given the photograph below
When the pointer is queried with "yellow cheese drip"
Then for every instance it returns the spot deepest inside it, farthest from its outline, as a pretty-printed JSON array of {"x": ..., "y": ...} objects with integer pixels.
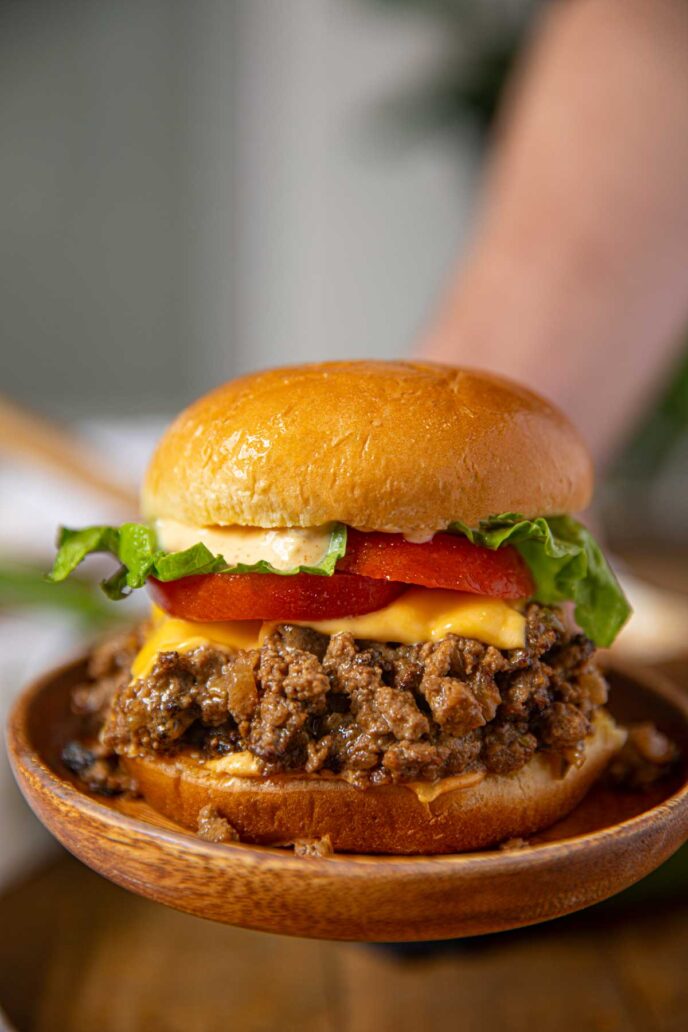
[
  {"x": 424, "y": 614},
  {"x": 168, "y": 634}
]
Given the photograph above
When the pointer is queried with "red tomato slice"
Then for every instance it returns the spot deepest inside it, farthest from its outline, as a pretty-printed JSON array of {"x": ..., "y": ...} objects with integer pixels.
[
  {"x": 267, "y": 596},
  {"x": 447, "y": 561}
]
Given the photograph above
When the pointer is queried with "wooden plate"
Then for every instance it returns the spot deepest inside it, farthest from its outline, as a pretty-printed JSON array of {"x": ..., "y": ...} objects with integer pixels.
[{"x": 613, "y": 839}]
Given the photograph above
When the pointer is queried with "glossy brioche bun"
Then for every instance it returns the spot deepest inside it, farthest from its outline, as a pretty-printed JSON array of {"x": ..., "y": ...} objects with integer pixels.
[
  {"x": 391, "y": 446},
  {"x": 380, "y": 819}
]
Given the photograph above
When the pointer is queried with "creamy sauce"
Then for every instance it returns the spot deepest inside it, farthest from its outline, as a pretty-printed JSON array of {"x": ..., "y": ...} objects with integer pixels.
[
  {"x": 428, "y": 791},
  {"x": 245, "y": 765},
  {"x": 420, "y": 537},
  {"x": 237, "y": 765},
  {"x": 282, "y": 547}
]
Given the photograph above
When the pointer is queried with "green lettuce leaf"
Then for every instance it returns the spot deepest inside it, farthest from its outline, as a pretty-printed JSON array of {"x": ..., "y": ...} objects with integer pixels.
[
  {"x": 567, "y": 565},
  {"x": 134, "y": 545}
]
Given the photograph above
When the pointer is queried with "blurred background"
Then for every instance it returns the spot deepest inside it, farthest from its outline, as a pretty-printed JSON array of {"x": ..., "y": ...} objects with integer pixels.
[
  {"x": 192, "y": 190},
  {"x": 189, "y": 190}
]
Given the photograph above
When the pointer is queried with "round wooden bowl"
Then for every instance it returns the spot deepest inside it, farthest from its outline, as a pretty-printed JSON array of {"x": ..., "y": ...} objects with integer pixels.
[{"x": 613, "y": 839}]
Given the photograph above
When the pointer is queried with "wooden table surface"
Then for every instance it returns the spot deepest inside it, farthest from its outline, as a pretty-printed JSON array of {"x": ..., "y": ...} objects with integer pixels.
[{"x": 79, "y": 954}]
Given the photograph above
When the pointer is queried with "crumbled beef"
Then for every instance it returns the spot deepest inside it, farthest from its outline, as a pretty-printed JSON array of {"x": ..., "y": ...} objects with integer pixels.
[
  {"x": 414, "y": 760},
  {"x": 294, "y": 694},
  {"x": 304, "y": 639},
  {"x": 97, "y": 768},
  {"x": 458, "y": 684},
  {"x": 311, "y": 703},
  {"x": 314, "y": 847},
  {"x": 109, "y": 670},
  {"x": 513, "y": 844},
  {"x": 207, "y": 686},
  {"x": 646, "y": 757},
  {"x": 563, "y": 725},
  {"x": 214, "y": 828},
  {"x": 507, "y": 747}
]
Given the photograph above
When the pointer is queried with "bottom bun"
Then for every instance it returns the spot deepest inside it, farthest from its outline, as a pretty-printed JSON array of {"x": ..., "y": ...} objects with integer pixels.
[{"x": 449, "y": 816}]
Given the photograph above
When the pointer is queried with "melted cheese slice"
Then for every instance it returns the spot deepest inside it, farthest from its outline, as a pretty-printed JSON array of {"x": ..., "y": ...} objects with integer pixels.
[
  {"x": 168, "y": 634},
  {"x": 424, "y": 614},
  {"x": 420, "y": 614}
]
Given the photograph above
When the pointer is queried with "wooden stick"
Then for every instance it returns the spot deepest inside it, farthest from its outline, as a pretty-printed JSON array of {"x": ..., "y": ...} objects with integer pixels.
[{"x": 27, "y": 436}]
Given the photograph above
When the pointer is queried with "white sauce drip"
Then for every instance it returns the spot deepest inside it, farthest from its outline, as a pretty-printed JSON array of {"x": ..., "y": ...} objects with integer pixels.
[{"x": 420, "y": 537}]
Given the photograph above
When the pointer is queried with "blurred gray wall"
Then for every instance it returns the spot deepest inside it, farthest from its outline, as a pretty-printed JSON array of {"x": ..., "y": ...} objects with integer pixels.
[
  {"x": 192, "y": 189},
  {"x": 91, "y": 313}
]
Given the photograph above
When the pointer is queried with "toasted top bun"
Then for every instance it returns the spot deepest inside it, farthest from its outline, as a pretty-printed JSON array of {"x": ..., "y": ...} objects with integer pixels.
[
  {"x": 391, "y": 446},
  {"x": 383, "y": 818}
]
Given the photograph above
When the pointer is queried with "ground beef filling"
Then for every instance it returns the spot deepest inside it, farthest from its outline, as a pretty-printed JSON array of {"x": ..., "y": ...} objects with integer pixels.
[{"x": 305, "y": 702}]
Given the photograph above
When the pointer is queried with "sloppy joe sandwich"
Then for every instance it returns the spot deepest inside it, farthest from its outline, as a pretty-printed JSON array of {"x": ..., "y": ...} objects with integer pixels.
[{"x": 374, "y": 615}]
